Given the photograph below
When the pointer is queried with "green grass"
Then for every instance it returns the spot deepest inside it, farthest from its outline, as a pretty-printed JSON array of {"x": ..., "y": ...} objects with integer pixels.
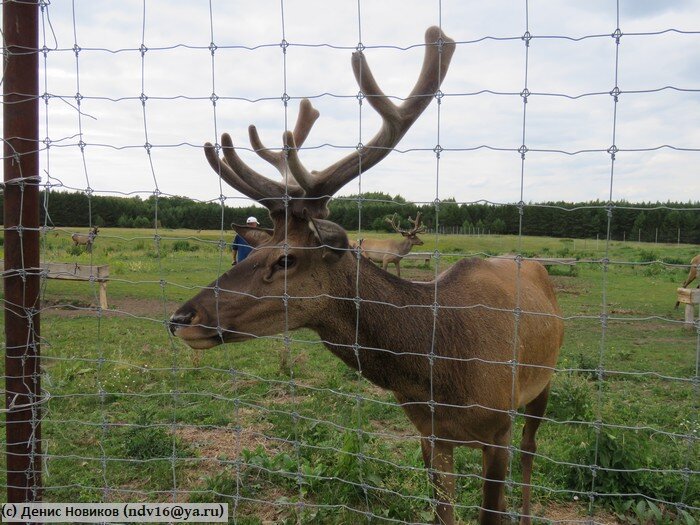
[{"x": 137, "y": 415}]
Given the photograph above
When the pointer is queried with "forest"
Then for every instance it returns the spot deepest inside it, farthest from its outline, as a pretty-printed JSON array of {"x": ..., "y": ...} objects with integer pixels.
[{"x": 646, "y": 222}]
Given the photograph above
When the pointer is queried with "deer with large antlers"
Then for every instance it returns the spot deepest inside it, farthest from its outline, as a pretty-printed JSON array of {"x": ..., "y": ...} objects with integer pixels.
[
  {"x": 387, "y": 251},
  {"x": 461, "y": 354}
]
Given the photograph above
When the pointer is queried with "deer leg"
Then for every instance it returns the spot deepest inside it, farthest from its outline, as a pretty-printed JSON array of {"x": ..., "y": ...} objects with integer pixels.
[
  {"x": 533, "y": 417},
  {"x": 439, "y": 462},
  {"x": 398, "y": 269},
  {"x": 495, "y": 465}
]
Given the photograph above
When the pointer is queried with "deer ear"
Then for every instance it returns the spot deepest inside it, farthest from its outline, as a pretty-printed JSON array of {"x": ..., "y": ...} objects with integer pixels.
[
  {"x": 253, "y": 236},
  {"x": 331, "y": 237}
]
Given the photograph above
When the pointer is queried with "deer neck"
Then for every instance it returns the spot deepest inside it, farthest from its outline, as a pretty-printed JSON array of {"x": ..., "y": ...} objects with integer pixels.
[
  {"x": 383, "y": 337},
  {"x": 404, "y": 246}
]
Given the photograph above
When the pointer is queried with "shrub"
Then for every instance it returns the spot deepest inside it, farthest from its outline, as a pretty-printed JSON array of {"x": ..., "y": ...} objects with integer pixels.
[
  {"x": 586, "y": 365},
  {"x": 216, "y": 486},
  {"x": 674, "y": 260},
  {"x": 184, "y": 246},
  {"x": 571, "y": 398},
  {"x": 641, "y": 512},
  {"x": 618, "y": 458},
  {"x": 653, "y": 269},
  {"x": 75, "y": 250},
  {"x": 151, "y": 443},
  {"x": 647, "y": 256}
]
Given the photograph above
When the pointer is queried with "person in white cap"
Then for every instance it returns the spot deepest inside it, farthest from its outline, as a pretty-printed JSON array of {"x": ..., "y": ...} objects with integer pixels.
[{"x": 240, "y": 248}]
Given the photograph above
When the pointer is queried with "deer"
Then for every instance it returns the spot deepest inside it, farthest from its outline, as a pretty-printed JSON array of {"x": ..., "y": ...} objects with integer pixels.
[
  {"x": 460, "y": 354},
  {"x": 692, "y": 274},
  {"x": 386, "y": 251},
  {"x": 85, "y": 239}
]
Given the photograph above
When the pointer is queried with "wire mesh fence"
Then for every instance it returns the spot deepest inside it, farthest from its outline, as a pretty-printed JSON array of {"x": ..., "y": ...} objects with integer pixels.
[{"x": 542, "y": 107}]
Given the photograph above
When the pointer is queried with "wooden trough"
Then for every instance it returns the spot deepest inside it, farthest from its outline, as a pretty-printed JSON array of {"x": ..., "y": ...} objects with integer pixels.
[
  {"x": 77, "y": 272},
  {"x": 689, "y": 297}
]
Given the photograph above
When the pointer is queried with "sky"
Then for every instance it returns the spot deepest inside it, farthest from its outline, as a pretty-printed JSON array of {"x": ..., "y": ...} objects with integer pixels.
[{"x": 145, "y": 73}]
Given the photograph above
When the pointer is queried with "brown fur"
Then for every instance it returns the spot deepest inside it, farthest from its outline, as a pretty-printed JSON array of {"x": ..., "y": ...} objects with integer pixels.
[
  {"x": 454, "y": 353},
  {"x": 475, "y": 338},
  {"x": 85, "y": 239},
  {"x": 389, "y": 251}
]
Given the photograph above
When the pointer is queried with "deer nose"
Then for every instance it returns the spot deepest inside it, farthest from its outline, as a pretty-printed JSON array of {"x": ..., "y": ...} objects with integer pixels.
[{"x": 180, "y": 318}]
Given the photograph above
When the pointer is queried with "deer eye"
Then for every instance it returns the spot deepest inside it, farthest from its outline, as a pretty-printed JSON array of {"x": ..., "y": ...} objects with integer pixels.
[{"x": 286, "y": 261}]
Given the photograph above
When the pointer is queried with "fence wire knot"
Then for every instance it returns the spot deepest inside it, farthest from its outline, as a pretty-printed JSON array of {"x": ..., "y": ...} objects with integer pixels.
[
  {"x": 615, "y": 93},
  {"x": 617, "y": 34},
  {"x": 526, "y": 38}
]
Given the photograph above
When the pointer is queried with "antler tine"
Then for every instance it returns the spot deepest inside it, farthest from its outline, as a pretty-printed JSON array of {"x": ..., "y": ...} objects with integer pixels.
[
  {"x": 240, "y": 176},
  {"x": 305, "y": 121},
  {"x": 417, "y": 228},
  {"x": 392, "y": 220},
  {"x": 396, "y": 120},
  {"x": 227, "y": 174}
]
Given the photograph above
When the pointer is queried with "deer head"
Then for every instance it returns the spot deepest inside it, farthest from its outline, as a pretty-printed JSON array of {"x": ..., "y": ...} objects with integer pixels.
[
  {"x": 305, "y": 254},
  {"x": 412, "y": 234}
]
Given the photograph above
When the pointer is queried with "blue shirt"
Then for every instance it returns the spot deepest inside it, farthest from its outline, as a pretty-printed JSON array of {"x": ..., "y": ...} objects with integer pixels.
[{"x": 244, "y": 249}]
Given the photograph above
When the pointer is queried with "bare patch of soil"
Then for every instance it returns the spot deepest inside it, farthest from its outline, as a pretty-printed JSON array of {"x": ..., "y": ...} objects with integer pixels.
[
  {"x": 151, "y": 308},
  {"x": 566, "y": 286},
  {"x": 572, "y": 513},
  {"x": 225, "y": 444}
]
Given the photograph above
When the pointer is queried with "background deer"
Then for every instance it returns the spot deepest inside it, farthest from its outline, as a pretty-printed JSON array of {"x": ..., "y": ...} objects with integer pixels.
[
  {"x": 692, "y": 274},
  {"x": 386, "y": 251},
  {"x": 85, "y": 239},
  {"x": 447, "y": 350}
]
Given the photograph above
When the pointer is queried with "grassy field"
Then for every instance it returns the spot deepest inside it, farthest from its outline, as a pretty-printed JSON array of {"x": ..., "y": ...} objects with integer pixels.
[{"x": 135, "y": 415}]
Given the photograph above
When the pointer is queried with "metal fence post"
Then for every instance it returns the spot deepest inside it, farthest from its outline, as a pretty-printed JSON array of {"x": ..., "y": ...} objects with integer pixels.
[{"x": 22, "y": 267}]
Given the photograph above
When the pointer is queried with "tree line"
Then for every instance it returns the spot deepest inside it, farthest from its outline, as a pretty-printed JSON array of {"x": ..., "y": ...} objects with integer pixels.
[{"x": 650, "y": 222}]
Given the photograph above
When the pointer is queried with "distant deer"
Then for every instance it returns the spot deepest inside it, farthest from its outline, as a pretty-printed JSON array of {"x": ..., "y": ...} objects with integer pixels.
[
  {"x": 85, "y": 239},
  {"x": 692, "y": 274},
  {"x": 386, "y": 251},
  {"x": 459, "y": 353}
]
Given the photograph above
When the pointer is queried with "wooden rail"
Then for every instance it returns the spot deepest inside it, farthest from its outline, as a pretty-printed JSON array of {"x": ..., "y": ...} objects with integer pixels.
[
  {"x": 77, "y": 272},
  {"x": 425, "y": 257},
  {"x": 690, "y": 297}
]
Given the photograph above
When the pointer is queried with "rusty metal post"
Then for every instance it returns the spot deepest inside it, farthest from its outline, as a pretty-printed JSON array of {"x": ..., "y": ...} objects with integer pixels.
[{"x": 22, "y": 267}]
